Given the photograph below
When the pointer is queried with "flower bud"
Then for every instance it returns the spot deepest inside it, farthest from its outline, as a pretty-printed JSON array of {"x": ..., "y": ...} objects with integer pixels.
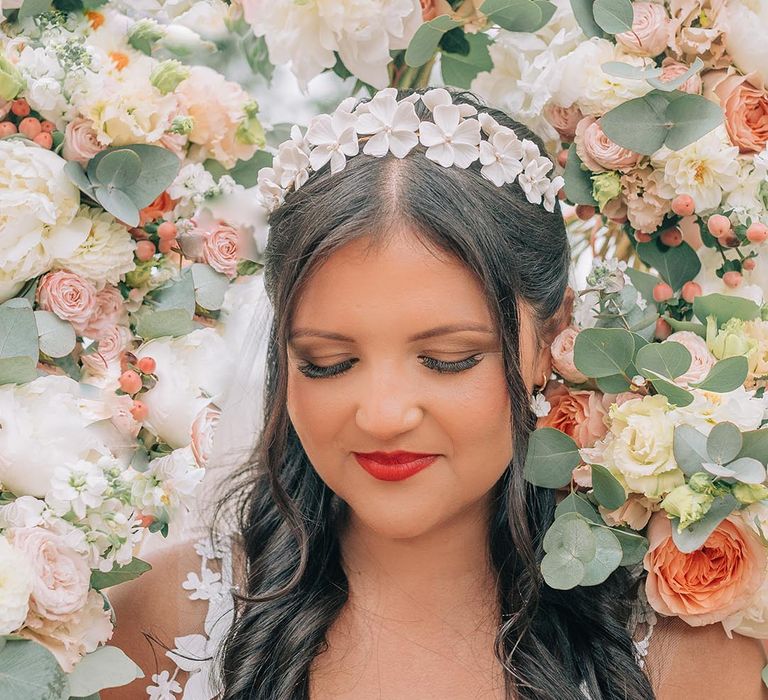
[
  {"x": 250, "y": 130},
  {"x": 687, "y": 505},
  {"x": 144, "y": 34},
  {"x": 749, "y": 493},
  {"x": 168, "y": 74},
  {"x": 701, "y": 482},
  {"x": 605, "y": 187},
  {"x": 182, "y": 125}
]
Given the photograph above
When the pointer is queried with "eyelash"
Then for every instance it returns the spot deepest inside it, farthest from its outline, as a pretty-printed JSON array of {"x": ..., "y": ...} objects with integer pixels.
[{"x": 315, "y": 372}]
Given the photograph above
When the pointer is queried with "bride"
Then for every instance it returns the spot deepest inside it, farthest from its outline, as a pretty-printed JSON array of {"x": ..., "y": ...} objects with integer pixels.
[{"x": 387, "y": 545}]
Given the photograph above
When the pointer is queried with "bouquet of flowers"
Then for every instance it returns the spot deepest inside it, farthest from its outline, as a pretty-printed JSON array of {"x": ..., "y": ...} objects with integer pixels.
[{"x": 117, "y": 259}]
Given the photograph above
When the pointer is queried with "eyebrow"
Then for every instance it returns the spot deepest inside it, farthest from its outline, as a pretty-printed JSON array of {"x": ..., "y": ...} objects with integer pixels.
[{"x": 423, "y": 335}]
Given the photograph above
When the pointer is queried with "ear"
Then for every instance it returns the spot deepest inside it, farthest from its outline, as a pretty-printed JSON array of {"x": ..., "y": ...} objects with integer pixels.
[{"x": 559, "y": 322}]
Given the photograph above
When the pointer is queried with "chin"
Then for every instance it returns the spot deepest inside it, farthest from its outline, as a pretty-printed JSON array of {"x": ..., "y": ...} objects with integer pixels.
[{"x": 396, "y": 521}]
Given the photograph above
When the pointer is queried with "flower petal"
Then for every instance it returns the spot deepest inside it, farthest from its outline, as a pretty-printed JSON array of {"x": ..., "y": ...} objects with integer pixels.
[
  {"x": 442, "y": 154},
  {"x": 447, "y": 118},
  {"x": 433, "y": 98},
  {"x": 401, "y": 142}
]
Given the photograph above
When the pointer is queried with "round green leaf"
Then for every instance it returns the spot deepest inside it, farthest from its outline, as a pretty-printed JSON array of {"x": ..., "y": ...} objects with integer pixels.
[
  {"x": 613, "y": 16},
  {"x": 608, "y": 556},
  {"x": 117, "y": 169},
  {"x": 107, "y": 667},
  {"x": 675, "y": 265},
  {"x": 561, "y": 571},
  {"x": 726, "y": 375},
  {"x": 755, "y": 445},
  {"x": 748, "y": 470},
  {"x": 18, "y": 331},
  {"x": 460, "y": 70},
  {"x": 602, "y": 352},
  {"x": 690, "y": 449},
  {"x": 424, "y": 42},
  {"x": 210, "y": 286},
  {"x": 578, "y": 183},
  {"x": 119, "y": 204},
  {"x": 576, "y": 503},
  {"x": 571, "y": 533},
  {"x": 675, "y": 394},
  {"x": 614, "y": 384},
  {"x": 724, "y": 307},
  {"x": 691, "y": 117},
  {"x": 667, "y": 360},
  {"x": 57, "y": 337},
  {"x": 17, "y": 370},
  {"x": 633, "y": 546},
  {"x": 608, "y": 491},
  {"x": 724, "y": 443},
  {"x": 582, "y": 11},
  {"x": 551, "y": 458},
  {"x": 513, "y": 15},
  {"x": 639, "y": 124},
  {"x": 28, "y": 671}
]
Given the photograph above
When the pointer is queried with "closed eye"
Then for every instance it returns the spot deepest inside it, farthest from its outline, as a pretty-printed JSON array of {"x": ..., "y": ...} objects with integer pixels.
[{"x": 313, "y": 371}]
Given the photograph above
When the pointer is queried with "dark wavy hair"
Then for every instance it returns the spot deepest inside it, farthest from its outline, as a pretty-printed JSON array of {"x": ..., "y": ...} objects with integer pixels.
[{"x": 552, "y": 644}]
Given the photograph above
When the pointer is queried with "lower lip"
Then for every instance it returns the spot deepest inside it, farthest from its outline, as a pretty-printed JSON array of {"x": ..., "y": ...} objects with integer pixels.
[{"x": 394, "y": 472}]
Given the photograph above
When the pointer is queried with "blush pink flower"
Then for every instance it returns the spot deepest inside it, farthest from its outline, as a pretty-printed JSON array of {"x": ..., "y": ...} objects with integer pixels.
[
  {"x": 69, "y": 296},
  {"x": 203, "y": 431},
  {"x": 109, "y": 347},
  {"x": 109, "y": 311},
  {"x": 635, "y": 512},
  {"x": 579, "y": 414},
  {"x": 707, "y": 585},
  {"x": 221, "y": 246},
  {"x": 598, "y": 152},
  {"x": 646, "y": 208},
  {"x": 434, "y": 8},
  {"x": 745, "y": 104},
  {"x": 81, "y": 143},
  {"x": 650, "y": 30},
  {"x": 563, "y": 119},
  {"x": 671, "y": 69},
  {"x": 562, "y": 356},
  {"x": 702, "y": 360}
]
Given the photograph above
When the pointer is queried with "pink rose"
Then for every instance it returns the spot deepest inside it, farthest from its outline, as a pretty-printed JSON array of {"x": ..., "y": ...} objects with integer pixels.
[
  {"x": 702, "y": 360},
  {"x": 635, "y": 512},
  {"x": 69, "y": 296},
  {"x": 650, "y": 30},
  {"x": 108, "y": 350},
  {"x": 563, "y": 119},
  {"x": 689, "y": 39},
  {"x": 671, "y": 69},
  {"x": 221, "y": 247},
  {"x": 598, "y": 152},
  {"x": 74, "y": 636},
  {"x": 109, "y": 311},
  {"x": 579, "y": 414},
  {"x": 646, "y": 208},
  {"x": 709, "y": 584},
  {"x": 61, "y": 575},
  {"x": 122, "y": 418},
  {"x": 562, "y": 356},
  {"x": 745, "y": 104},
  {"x": 203, "y": 431},
  {"x": 81, "y": 142}
]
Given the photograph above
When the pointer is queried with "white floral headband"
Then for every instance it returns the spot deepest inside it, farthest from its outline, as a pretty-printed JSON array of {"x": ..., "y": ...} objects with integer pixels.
[{"x": 454, "y": 138}]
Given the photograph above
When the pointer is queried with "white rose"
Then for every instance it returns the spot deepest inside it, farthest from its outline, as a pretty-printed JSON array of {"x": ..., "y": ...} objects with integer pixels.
[
  {"x": 702, "y": 360},
  {"x": 15, "y": 587},
  {"x": 46, "y": 423},
  {"x": 38, "y": 204},
  {"x": 192, "y": 371},
  {"x": 745, "y": 23}
]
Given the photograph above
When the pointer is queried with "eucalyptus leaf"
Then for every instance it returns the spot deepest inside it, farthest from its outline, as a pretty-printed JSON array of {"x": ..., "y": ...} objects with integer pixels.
[
  {"x": 724, "y": 307},
  {"x": 107, "y": 667},
  {"x": 675, "y": 265},
  {"x": 608, "y": 556},
  {"x": 548, "y": 10},
  {"x": 57, "y": 337},
  {"x": 668, "y": 360},
  {"x": 690, "y": 326},
  {"x": 119, "y": 574},
  {"x": 675, "y": 395},
  {"x": 513, "y": 15},
  {"x": 578, "y": 183},
  {"x": 424, "y": 43},
  {"x": 639, "y": 124},
  {"x": 18, "y": 330},
  {"x": 28, "y": 671},
  {"x": 668, "y": 86},
  {"x": 726, "y": 375},
  {"x": 117, "y": 169},
  {"x": 643, "y": 282},
  {"x": 562, "y": 571},
  {"x": 77, "y": 176},
  {"x": 724, "y": 442},
  {"x": 576, "y": 503},
  {"x": 571, "y": 533},
  {"x": 633, "y": 546},
  {"x": 119, "y": 204},
  {"x": 256, "y": 53},
  {"x": 691, "y": 117},
  {"x": 619, "y": 69},
  {"x": 608, "y": 491},
  {"x": 176, "y": 294},
  {"x": 690, "y": 449},
  {"x": 748, "y": 470},
  {"x": 17, "y": 370},
  {"x": 613, "y": 384},
  {"x": 755, "y": 445},
  {"x": 696, "y": 534},
  {"x": 602, "y": 352},
  {"x": 551, "y": 458},
  {"x": 167, "y": 322},
  {"x": 30, "y": 8},
  {"x": 210, "y": 286},
  {"x": 582, "y": 11},
  {"x": 460, "y": 71},
  {"x": 613, "y": 16}
]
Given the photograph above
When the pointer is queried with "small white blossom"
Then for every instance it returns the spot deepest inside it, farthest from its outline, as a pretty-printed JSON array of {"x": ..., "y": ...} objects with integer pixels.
[
  {"x": 533, "y": 180},
  {"x": 500, "y": 156},
  {"x": 76, "y": 487},
  {"x": 334, "y": 138},
  {"x": 540, "y": 406},
  {"x": 205, "y": 588},
  {"x": 165, "y": 687},
  {"x": 394, "y": 125},
  {"x": 451, "y": 141}
]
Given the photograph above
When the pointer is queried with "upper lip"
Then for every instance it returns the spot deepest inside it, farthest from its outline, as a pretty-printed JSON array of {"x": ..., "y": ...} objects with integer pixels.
[{"x": 400, "y": 456}]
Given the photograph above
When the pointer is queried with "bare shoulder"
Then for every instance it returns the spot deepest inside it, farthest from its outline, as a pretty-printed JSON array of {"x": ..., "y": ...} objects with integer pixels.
[
  {"x": 692, "y": 662},
  {"x": 153, "y": 610}
]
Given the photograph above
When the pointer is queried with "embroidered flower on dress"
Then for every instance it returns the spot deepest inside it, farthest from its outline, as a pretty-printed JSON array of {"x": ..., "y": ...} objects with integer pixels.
[
  {"x": 203, "y": 589},
  {"x": 165, "y": 687}
]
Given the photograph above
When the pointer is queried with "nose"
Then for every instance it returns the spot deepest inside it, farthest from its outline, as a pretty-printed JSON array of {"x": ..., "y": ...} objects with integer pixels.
[{"x": 388, "y": 404}]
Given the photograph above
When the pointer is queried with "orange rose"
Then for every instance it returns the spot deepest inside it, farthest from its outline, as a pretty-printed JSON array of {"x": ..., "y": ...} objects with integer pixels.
[
  {"x": 580, "y": 414},
  {"x": 161, "y": 204},
  {"x": 746, "y": 112},
  {"x": 709, "y": 584}
]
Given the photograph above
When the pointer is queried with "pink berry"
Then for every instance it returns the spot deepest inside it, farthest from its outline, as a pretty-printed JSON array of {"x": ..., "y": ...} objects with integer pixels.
[
  {"x": 757, "y": 233},
  {"x": 147, "y": 365},
  {"x": 643, "y": 237},
  {"x": 20, "y": 107},
  {"x": 145, "y": 250},
  {"x": 44, "y": 139},
  {"x": 30, "y": 127},
  {"x": 562, "y": 158},
  {"x": 561, "y": 194},
  {"x": 585, "y": 211},
  {"x": 139, "y": 411},
  {"x": 663, "y": 329},
  {"x": 130, "y": 382},
  {"x": 48, "y": 127},
  {"x": 749, "y": 264},
  {"x": 145, "y": 520},
  {"x": 7, "y": 128},
  {"x": 733, "y": 279},
  {"x": 719, "y": 225},
  {"x": 165, "y": 245},
  {"x": 167, "y": 230},
  {"x": 683, "y": 205},
  {"x": 662, "y": 292},
  {"x": 690, "y": 291},
  {"x": 672, "y": 237}
]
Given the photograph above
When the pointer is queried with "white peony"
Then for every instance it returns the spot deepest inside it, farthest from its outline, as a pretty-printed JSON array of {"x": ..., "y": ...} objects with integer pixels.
[
  {"x": 105, "y": 255},
  {"x": 48, "y": 423},
  {"x": 192, "y": 371},
  {"x": 38, "y": 207},
  {"x": 306, "y": 34},
  {"x": 581, "y": 79},
  {"x": 24, "y": 511},
  {"x": 745, "y": 23},
  {"x": 15, "y": 587},
  {"x": 754, "y": 286},
  {"x": 704, "y": 170}
]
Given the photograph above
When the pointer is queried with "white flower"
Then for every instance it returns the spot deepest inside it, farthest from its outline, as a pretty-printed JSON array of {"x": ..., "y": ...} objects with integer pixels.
[
  {"x": 539, "y": 405},
  {"x": 394, "y": 125},
  {"x": 165, "y": 687},
  {"x": 203, "y": 589},
  {"x": 451, "y": 141},
  {"x": 754, "y": 287},
  {"x": 25, "y": 511},
  {"x": 333, "y": 137},
  {"x": 740, "y": 407},
  {"x": 105, "y": 255},
  {"x": 192, "y": 371},
  {"x": 501, "y": 156},
  {"x": 533, "y": 180},
  {"x": 38, "y": 204},
  {"x": 550, "y": 196},
  {"x": 15, "y": 587},
  {"x": 77, "y": 486},
  {"x": 704, "y": 170},
  {"x": 745, "y": 23}
]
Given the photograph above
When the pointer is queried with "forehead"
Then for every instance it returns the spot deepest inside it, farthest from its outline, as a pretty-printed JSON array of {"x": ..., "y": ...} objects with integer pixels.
[{"x": 398, "y": 283}]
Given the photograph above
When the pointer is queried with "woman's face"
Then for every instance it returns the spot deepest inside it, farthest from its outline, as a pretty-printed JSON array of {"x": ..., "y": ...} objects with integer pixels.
[{"x": 391, "y": 397}]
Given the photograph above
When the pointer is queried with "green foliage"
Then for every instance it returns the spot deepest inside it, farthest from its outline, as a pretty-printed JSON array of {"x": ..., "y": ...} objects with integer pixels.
[
  {"x": 517, "y": 15},
  {"x": 28, "y": 671},
  {"x": 666, "y": 360},
  {"x": 425, "y": 41},
  {"x": 726, "y": 375},
  {"x": 755, "y": 445},
  {"x": 577, "y": 503},
  {"x": 608, "y": 491},
  {"x": 676, "y": 266},
  {"x": 613, "y": 16},
  {"x": 119, "y": 574},
  {"x": 724, "y": 443},
  {"x": 552, "y": 455},
  {"x": 696, "y": 534},
  {"x": 603, "y": 352},
  {"x": 690, "y": 449},
  {"x": 582, "y": 11},
  {"x": 30, "y": 8},
  {"x": 107, "y": 667},
  {"x": 619, "y": 69},
  {"x": 675, "y": 394},
  {"x": 210, "y": 286},
  {"x": 578, "y": 183},
  {"x": 257, "y": 54},
  {"x": 724, "y": 308},
  {"x": 56, "y": 337},
  {"x": 460, "y": 70},
  {"x": 18, "y": 342},
  {"x": 675, "y": 83},
  {"x": 454, "y": 41},
  {"x": 633, "y": 546}
]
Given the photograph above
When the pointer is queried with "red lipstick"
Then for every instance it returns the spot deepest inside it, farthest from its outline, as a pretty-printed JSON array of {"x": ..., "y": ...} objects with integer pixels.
[{"x": 394, "y": 466}]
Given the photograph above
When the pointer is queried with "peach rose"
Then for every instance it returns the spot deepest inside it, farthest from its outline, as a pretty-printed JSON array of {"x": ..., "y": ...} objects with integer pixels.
[
  {"x": 61, "y": 575},
  {"x": 702, "y": 360},
  {"x": 646, "y": 208},
  {"x": 221, "y": 246},
  {"x": 635, "y": 512},
  {"x": 110, "y": 345},
  {"x": 562, "y": 356},
  {"x": 580, "y": 414},
  {"x": 650, "y": 30},
  {"x": 563, "y": 119},
  {"x": 108, "y": 312},
  {"x": 745, "y": 104},
  {"x": 203, "y": 430},
  {"x": 81, "y": 143},
  {"x": 707, "y": 585},
  {"x": 598, "y": 152},
  {"x": 159, "y": 206},
  {"x": 76, "y": 635},
  {"x": 69, "y": 296},
  {"x": 671, "y": 69},
  {"x": 688, "y": 38},
  {"x": 434, "y": 8}
]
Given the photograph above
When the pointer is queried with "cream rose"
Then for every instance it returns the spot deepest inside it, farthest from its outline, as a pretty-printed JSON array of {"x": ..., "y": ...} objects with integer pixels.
[
  {"x": 650, "y": 30},
  {"x": 81, "y": 143},
  {"x": 598, "y": 152},
  {"x": 702, "y": 360},
  {"x": 746, "y": 24},
  {"x": 69, "y": 296},
  {"x": 15, "y": 587},
  {"x": 562, "y": 356}
]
